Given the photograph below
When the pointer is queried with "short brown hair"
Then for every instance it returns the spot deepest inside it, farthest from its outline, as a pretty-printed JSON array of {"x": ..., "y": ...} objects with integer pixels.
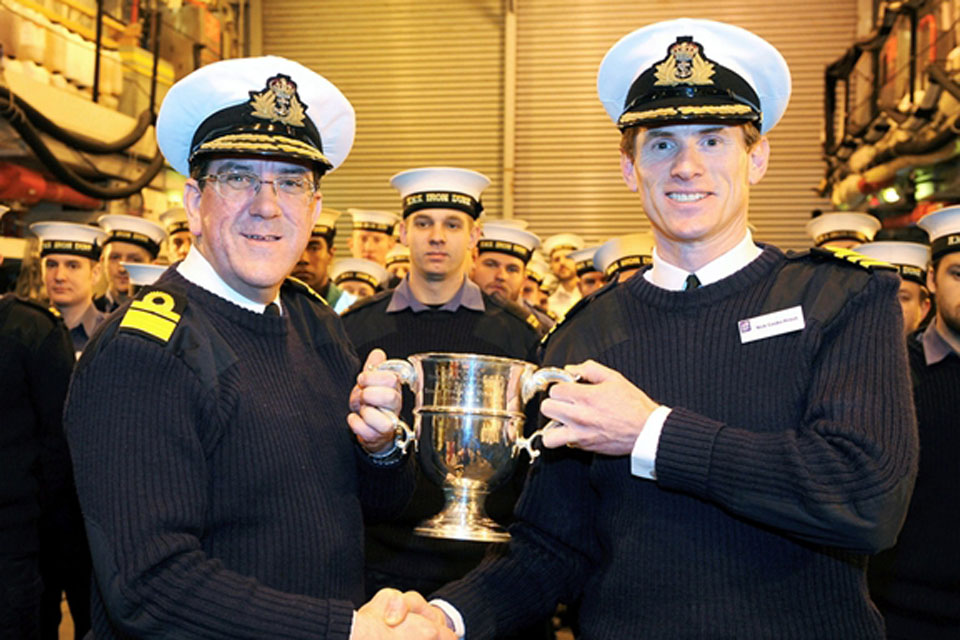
[{"x": 628, "y": 139}]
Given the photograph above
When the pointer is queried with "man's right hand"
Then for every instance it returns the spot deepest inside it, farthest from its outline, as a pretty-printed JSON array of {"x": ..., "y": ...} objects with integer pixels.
[{"x": 392, "y": 615}]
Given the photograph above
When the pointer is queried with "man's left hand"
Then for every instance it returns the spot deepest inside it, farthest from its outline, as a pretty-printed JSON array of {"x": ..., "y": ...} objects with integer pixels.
[
  {"x": 605, "y": 415},
  {"x": 374, "y": 390}
]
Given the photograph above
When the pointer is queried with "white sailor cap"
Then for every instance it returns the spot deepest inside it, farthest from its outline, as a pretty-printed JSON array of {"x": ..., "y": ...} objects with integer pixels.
[
  {"x": 509, "y": 239},
  {"x": 689, "y": 70},
  {"x": 369, "y": 220},
  {"x": 144, "y": 274},
  {"x": 562, "y": 241},
  {"x": 69, "y": 238},
  {"x": 134, "y": 230},
  {"x": 583, "y": 260},
  {"x": 842, "y": 225},
  {"x": 326, "y": 224},
  {"x": 537, "y": 268},
  {"x": 174, "y": 220},
  {"x": 441, "y": 188},
  {"x": 943, "y": 226},
  {"x": 631, "y": 251},
  {"x": 359, "y": 269},
  {"x": 910, "y": 258},
  {"x": 398, "y": 254},
  {"x": 268, "y": 106}
]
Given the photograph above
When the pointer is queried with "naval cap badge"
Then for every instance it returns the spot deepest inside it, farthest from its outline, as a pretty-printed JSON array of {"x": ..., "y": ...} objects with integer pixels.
[
  {"x": 278, "y": 102},
  {"x": 684, "y": 64}
]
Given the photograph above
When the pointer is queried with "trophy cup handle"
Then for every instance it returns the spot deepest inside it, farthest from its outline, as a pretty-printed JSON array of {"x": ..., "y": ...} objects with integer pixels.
[
  {"x": 404, "y": 435},
  {"x": 531, "y": 384}
]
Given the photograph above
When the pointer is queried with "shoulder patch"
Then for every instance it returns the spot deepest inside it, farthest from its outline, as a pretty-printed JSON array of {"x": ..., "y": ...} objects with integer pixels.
[
  {"x": 518, "y": 311},
  {"x": 155, "y": 314},
  {"x": 366, "y": 302},
  {"x": 48, "y": 310},
  {"x": 303, "y": 287},
  {"x": 851, "y": 256},
  {"x": 576, "y": 308}
]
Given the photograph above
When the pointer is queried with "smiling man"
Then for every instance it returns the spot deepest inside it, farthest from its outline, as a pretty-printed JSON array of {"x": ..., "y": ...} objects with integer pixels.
[
  {"x": 742, "y": 437},
  {"x": 223, "y": 494},
  {"x": 437, "y": 308}
]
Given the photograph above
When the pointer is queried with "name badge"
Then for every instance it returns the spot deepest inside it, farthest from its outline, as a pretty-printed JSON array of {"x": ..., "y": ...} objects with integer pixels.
[{"x": 771, "y": 324}]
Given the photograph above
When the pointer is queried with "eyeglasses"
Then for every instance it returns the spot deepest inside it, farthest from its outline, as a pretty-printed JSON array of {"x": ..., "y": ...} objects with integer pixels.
[{"x": 240, "y": 186}]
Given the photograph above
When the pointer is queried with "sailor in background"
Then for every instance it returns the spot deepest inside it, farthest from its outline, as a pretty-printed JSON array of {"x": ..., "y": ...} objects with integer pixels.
[
  {"x": 397, "y": 263},
  {"x": 842, "y": 229},
  {"x": 223, "y": 494},
  {"x": 742, "y": 436},
  {"x": 313, "y": 267},
  {"x": 69, "y": 262},
  {"x": 916, "y": 585},
  {"x": 557, "y": 249},
  {"x": 589, "y": 278},
  {"x": 437, "y": 308},
  {"x": 359, "y": 278},
  {"x": 912, "y": 260},
  {"x": 179, "y": 238},
  {"x": 373, "y": 234},
  {"x": 129, "y": 239},
  {"x": 621, "y": 257}
]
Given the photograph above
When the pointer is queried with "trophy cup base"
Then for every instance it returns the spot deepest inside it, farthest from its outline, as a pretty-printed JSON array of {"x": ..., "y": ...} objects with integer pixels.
[{"x": 452, "y": 528}]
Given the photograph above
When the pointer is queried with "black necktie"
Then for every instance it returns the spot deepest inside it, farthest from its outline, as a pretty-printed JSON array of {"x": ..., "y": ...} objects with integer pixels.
[
  {"x": 273, "y": 309},
  {"x": 693, "y": 282}
]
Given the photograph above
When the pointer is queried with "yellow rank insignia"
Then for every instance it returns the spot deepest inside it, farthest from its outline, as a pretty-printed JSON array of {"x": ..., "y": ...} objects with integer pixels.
[
  {"x": 278, "y": 102},
  {"x": 684, "y": 64},
  {"x": 853, "y": 257},
  {"x": 303, "y": 286},
  {"x": 154, "y": 314}
]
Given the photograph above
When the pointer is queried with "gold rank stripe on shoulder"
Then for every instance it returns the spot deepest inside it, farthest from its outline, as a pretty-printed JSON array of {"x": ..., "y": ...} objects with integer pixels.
[
  {"x": 533, "y": 322},
  {"x": 849, "y": 255},
  {"x": 153, "y": 315},
  {"x": 56, "y": 312},
  {"x": 300, "y": 283}
]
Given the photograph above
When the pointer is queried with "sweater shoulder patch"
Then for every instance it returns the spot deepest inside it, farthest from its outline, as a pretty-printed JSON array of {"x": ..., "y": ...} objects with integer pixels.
[
  {"x": 155, "y": 314},
  {"x": 366, "y": 302},
  {"x": 518, "y": 311},
  {"x": 302, "y": 287},
  {"x": 580, "y": 305},
  {"x": 849, "y": 256}
]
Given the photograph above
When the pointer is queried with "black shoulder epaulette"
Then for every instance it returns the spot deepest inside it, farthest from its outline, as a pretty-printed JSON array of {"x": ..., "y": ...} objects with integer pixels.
[
  {"x": 47, "y": 310},
  {"x": 576, "y": 308},
  {"x": 299, "y": 285},
  {"x": 847, "y": 256},
  {"x": 366, "y": 302},
  {"x": 518, "y": 311},
  {"x": 154, "y": 314}
]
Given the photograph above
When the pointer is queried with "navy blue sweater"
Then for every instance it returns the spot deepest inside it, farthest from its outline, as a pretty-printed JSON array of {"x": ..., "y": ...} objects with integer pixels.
[
  {"x": 223, "y": 493},
  {"x": 783, "y": 463}
]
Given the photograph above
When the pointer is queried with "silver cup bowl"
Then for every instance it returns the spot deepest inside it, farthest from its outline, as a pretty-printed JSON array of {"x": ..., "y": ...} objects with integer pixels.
[{"x": 468, "y": 428}]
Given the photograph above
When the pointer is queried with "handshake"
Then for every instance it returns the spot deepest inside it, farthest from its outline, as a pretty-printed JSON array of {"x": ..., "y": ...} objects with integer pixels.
[{"x": 395, "y": 615}]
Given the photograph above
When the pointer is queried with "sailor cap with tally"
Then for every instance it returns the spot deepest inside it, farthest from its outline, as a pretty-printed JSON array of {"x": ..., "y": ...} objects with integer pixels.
[
  {"x": 943, "y": 226},
  {"x": 326, "y": 224},
  {"x": 624, "y": 252},
  {"x": 174, "y": 220},
  {"x": 910, "y": 258},
  {"x": 359, "y": 269},
  {"x": 134, "y": 230},
  {"x": 537, "y": 269},
  {"x": 368, "y": 220},
  {"x": 842, "y": 225},
  {"x": 583, "y": 260},
  {"x": 398, "y": 254},
  {"x": 441, "y": 188},
  {"x": 566, "y": 242},
  {"x": 69, "y": 238},
  {"x": 509, "y": 239},
  {"x": 689, "y": 70},
  {"x": 268, "y": 106}
]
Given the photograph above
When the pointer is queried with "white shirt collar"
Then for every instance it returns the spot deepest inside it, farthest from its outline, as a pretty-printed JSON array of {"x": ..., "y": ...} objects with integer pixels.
[
  {"x": 666, "y": 276},
  {"x": 198, "y": 270}
]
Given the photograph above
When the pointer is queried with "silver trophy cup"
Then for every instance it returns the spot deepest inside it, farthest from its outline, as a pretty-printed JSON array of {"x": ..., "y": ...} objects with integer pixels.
[{"x": 468, "y": 427}]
